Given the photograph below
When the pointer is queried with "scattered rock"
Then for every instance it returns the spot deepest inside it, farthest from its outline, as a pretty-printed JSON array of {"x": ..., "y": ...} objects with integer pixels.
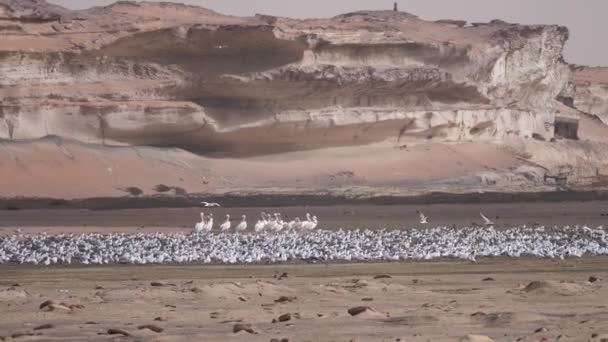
[
  {"x": 156, "y": 283},
  {"x": 285, "y": 317},
  {"x": 284, "y": 299},
  {"x": 22, "y": 334},
  {"x": 90, "y": 322},
  {"x": 601, "y": 338},
  {"x": 72, "y": 306},
  {"x": 593, "y": 279},
  {"x": 161, "y": 318},
  {"x": 247, "y": 327},
  {"x": 44, "y": 326},
  {"x": 478, "y": 313},
  {"x": 476, "y": 338},
  {"x": 414, "y": 281},
  {"x": 488, "y": 279},
  {"x": 281, "y": 276},
  {"x": 98, "y": 287},
  {"x": 357, "y": 310},
  {"x": 242, "y": 299},
  {"x": 46, "y": 303},
  {"x": 152, "y": 327},
  {"x": 367, "y": 299},
  {"x": 196, "y": 289},
  {"x": 382, "y": 276},
  {"x": 541, "y": 329},
  {"x": 113, "y": 331},
  {"x": 534, "y": 285}
]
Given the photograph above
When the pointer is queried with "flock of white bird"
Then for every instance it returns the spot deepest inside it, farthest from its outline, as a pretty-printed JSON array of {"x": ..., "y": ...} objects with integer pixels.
[
  {"x": 267, "y": 223},
  {"x": 312, "y": 245}
]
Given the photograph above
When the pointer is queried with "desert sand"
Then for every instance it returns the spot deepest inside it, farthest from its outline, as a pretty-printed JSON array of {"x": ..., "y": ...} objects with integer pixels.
[{"x": 506, "y": 300}]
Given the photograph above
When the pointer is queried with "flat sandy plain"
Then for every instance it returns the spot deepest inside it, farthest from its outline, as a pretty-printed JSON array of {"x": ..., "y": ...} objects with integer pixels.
[
  {"x": 507, "y": 300},
  {"x": 504, "y": 299}
]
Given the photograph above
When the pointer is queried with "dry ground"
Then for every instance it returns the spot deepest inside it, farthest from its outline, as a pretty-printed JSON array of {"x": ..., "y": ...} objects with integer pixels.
[{"x": 508, "y": 300}]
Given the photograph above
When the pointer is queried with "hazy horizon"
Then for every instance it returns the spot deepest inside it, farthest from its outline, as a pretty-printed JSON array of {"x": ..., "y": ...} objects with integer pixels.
[{"x": 584, "y": 19}]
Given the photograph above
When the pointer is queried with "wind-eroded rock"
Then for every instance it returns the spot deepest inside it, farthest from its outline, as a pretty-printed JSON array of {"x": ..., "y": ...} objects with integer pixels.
[{"x": 172, "y": 76}]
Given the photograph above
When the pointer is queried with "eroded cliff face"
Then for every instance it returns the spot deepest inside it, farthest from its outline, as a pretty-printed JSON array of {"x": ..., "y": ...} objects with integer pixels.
[
  {"x": 587, "y": 91},
  {"x": 173, "y": 76}
]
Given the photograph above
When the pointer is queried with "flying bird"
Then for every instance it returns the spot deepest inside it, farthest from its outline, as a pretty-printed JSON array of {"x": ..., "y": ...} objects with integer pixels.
[
  {"x": 423, "y": 218},
  {"x": 210, "y": 204},
  {"x": 487, "y": 221}
]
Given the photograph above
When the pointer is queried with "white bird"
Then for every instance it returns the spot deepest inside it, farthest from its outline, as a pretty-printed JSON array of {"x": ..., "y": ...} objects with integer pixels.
[
  {"x": 488, "y": 222},
  {"x": 293, "y": 224},
  {"x": 306, "y": 224},
  {"x": 277, "y": 225},
  {"x": 209, "y": 224},
  {"x": 313, "y": 223},
  {"x": 199, "y": 226},
  {"x": 261, "y": 224},
  {"x": 423, "y": 218},
  {"x": 226, "y": 225},
  {"x": 243, "y": 225},
  {"x": 210, "y": 204}
]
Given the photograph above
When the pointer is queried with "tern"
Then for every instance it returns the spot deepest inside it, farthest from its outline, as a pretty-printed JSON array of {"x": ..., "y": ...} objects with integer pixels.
[
  {"x": 487, "y": 221},
  {"x": 423, "y": 218},
  {"x": 210, "y": 204}
]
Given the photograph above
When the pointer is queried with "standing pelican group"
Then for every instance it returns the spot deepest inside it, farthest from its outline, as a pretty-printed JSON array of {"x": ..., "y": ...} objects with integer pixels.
[{"x": 266, "y": 223}]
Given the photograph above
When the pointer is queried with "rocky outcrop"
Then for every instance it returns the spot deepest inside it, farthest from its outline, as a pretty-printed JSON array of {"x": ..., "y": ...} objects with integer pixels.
[
  {"x": 167, "y": 75},
  {"x": 588, "y": 91}
]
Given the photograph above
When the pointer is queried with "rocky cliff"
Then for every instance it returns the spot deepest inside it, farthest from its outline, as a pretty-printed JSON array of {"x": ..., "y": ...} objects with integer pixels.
[{"x": 189, "y": 86}]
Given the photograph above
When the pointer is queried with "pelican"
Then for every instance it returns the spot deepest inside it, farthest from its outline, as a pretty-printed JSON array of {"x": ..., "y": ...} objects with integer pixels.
[
  {"x": 423, "y": 218},
  {"x": 487, "y": 221},
  {"x": 294, "y": 224},
  {"x": 306, "y": 224},
  {"x": 209, "y": 224},
  {"x": 200, "y": 225},
  {"x": 210, "y": 204},
  {"x": 226, "y": 225},
  {"x": 314, "y": 223},
  {"x": 243, "y": 225},
  {"x": 278, "y": 223},
  {"x": 261, "y": 224}
]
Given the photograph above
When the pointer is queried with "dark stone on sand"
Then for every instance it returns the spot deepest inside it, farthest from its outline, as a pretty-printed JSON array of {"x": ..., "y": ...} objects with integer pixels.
[
  {"x": 284, "y": 299},
  {"x": 382, "y": 276},
  {"x": 358, "y": 310},
  {"x": 152, "y": 327},
  {"x": 113, "y": 331},
  {"x": 488, "y": 279},
  {"x": 46, "y": 303},
  {"x": 22, "y": 334},
  {"x": 247, "y": 327},
  {"x": 285, "y": 317},
  {"x": 44, "y": 326},
  {"x": 593, "y": 279}
]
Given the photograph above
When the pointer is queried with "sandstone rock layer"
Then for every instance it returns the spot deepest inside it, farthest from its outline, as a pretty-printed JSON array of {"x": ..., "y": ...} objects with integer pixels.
[{"x": 191, "y": 85}]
